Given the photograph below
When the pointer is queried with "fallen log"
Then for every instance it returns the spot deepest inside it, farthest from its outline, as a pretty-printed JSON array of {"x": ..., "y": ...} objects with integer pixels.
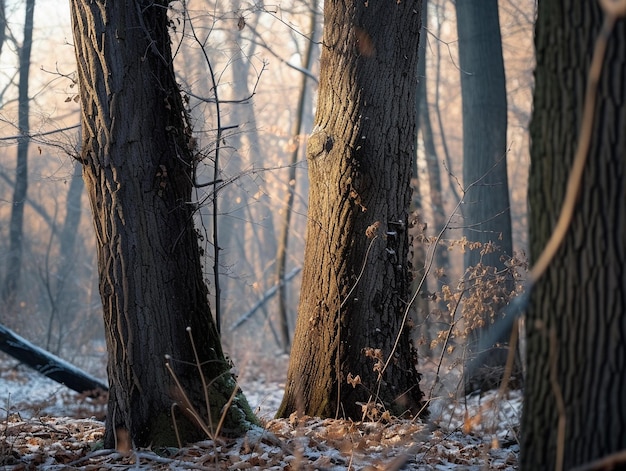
[{"x": 49, "y": 365}]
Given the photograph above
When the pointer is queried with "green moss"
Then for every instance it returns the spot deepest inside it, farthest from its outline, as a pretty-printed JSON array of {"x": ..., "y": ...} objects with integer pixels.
[
  {"x": 163, "y": 433},
  {"x": 239, "y": 417}
]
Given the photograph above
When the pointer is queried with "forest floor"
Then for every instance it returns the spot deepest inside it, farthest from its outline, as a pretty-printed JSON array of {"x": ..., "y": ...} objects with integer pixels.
[{"x": 47, "y": 427}]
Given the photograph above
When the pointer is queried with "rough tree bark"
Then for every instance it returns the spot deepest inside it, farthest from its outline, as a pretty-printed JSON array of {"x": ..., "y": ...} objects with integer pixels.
[
  {"x": 576, "y": 322},
  {"x": 359, "y": 157},
  {"x": 137, "y": 162}
]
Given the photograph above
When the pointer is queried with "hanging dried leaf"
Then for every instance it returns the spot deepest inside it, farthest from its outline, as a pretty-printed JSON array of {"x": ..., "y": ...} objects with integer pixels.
[{"x": 353, "y": 380}]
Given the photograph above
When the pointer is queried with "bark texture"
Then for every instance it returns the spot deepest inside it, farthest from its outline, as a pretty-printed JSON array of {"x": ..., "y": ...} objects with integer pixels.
[
  {"x": 137, "y": 165},
  {"x": 577, "y": 318},
  {"x": 359, "y": 157}
]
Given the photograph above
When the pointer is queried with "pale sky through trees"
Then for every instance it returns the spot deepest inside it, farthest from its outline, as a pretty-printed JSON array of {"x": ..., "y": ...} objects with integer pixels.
[
  {"x": 52, "y": 38},
  {"x": 273, "y": 109}
]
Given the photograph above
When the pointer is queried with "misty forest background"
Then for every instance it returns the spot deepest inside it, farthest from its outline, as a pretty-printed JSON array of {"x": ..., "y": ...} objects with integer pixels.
[
  {"x": 249, "y": 76},
  {"x": 265, "y": 61}
]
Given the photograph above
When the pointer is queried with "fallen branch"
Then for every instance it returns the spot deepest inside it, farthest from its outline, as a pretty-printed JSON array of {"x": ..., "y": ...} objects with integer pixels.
[
  {"x": 49, "y": 365},
  {"x": 266, "y": 297}
]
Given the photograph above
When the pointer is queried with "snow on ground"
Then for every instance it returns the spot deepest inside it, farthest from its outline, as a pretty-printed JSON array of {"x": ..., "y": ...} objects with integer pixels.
[{"x": 44, "y": 426}]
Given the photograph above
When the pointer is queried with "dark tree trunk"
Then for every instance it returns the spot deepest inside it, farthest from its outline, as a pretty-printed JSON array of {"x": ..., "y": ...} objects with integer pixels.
[
  {"x": 16, "y": 226},
  {"x": 137, "y": 168},
  {"x": 486, "y": 209},
  {"x": 576, "y": 324},
  {"x": 359, "y": 156}
]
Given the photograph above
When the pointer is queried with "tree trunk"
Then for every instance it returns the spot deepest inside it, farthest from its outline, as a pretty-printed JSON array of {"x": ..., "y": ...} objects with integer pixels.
[
  {"x": 576, "y": 326},
  {"x": 426, "y": 315},
  {"x": 56, "y": 279},
  {"x": 16, "y": 225},
  {"x": 36, "y": 207},
  {"x": 355, "y": 283},
  {"x": 486, "y": 209},
  {"x": 69, "y": 232},
  {"x": 432, "y": 161},
  {"x": 246, "y": 221},
  {"x": 137, "y": 166},
  {"x": 296, "y": 131},
  {"x": 3, "y": 25}
]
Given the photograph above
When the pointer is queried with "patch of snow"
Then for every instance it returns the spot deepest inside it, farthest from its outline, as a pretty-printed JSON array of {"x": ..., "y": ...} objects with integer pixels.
[
  {"x": 472, "y": 433},
  {"x": 21, "y": 386}
]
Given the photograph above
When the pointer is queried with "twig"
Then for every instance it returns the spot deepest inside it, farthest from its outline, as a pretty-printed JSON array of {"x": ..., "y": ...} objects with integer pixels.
[
  {"x": 612, "y": 461},
  {"x": 205, "y": 388},
  {"x": 188, "y": 405},
  {"x": 216, "y": 169},
  {"x": 39, "y": 134},
  {"x": 443, "y": 348}
]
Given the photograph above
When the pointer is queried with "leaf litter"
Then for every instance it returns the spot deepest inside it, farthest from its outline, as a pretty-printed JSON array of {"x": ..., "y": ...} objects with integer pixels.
[{"x": 45, "y": 427}]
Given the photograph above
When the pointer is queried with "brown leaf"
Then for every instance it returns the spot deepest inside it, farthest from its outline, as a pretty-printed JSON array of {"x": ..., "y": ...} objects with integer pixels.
[{"x": 353, "y": 380}]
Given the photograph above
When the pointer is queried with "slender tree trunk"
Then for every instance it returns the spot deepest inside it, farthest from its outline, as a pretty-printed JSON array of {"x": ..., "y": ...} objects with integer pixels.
[
  {"x": 244, "y": 223},
  {"x": 432, "y": 160},
  {"x": 283, "y": 241},
  {"x": 137, "y": 165},
  {"x": 73, "y": 212},
  {"x": 423, "y": 124},
  {"x": 3, "y": 25},
  {"x": 574, "y": 408},
  {"x": 36, "y": 207},
  {"x": 452, "y": 179},
  {"x": 486, "y": 209},
  {"x": 66, "y": 288},
  {"x": 355, "y": 283},
  {"x": 16, "y": 225}
]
